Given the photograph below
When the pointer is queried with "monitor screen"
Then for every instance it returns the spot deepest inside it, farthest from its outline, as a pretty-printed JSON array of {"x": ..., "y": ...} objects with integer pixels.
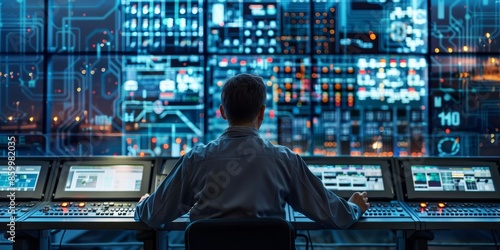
[
  {"x": 346, "y": 175},
  {"x": 25, "y": 178},
  {"x": 452, "y": 178},
  {"x": 104, "y": 178},
  {"x": 116, "y": 179},
  {"x": 350, "y": 177}
]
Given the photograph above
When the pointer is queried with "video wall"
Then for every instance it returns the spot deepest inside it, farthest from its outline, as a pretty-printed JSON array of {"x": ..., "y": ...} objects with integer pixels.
[{"x": 344, "y": 78}]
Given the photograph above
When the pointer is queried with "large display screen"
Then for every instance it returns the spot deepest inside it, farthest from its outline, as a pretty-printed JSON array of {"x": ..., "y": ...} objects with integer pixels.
[{"x": 344, "y": 78}]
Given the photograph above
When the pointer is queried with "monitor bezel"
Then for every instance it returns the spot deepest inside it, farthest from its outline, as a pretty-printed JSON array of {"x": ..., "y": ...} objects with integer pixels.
[
  {"x": 37, "y": 194},
  {"x": 61, "y": 194},
  {"x": 450, "y": 195},
  {"x": 387, "y": 193}
]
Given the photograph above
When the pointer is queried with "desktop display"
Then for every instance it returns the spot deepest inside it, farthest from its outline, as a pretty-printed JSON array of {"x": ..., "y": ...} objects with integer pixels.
[
  {"x": 452, "y": 178},
  {"x": 112, "y": 178},
  {"x": 26, "y": 178},
  {"x": 350, "y": 177}
]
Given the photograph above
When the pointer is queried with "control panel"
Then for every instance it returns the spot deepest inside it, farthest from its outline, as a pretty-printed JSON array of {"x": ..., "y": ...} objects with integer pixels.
[
  {"x": 87, "y": 209},
  {"x": 344, "y": 176},
  {"x": 16, "y": 209},
  {"x": 463, "y": 192},
  {"x": 95, "y": 191},
  {"x": 21, "y": 187},
  {"x": 455, "y": 209}
]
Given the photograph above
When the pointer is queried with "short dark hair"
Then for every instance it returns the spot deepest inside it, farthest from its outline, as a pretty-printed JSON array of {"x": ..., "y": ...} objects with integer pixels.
[{"x": 242, "y": 97}]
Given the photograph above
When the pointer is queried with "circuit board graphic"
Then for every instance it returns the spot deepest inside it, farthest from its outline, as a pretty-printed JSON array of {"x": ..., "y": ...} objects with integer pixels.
[{"x": 356, "y": 77}]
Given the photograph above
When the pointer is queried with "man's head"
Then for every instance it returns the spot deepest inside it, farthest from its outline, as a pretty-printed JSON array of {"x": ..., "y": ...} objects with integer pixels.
[{"x": 243, "y": 100}]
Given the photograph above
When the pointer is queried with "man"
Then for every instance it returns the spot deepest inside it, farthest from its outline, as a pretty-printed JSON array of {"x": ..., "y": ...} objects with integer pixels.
[{"x": 242, "y": 175}]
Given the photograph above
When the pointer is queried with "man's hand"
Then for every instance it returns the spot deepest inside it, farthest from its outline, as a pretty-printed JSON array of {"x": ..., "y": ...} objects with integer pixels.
[
  {"x": 360, "y": 199},
  {"x": 143, "y": 198}
]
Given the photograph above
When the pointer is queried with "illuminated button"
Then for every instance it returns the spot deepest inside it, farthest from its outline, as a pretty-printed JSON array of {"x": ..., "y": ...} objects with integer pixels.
[
  {"x": 81, "y": 204},
  {"x": 423, "y": 204},
  {"x": 64, "y": 204},
  {"x": 441, "y": 205}
]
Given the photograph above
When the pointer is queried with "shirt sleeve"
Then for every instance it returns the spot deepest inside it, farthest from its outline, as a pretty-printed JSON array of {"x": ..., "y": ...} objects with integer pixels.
[
  {"x": 310, "y": 197},
  {"x": 170, "y": 200}
]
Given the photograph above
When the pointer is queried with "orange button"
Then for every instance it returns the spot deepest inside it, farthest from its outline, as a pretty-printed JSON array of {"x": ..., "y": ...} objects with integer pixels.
[
  {"x": 423, "y": 204},
  {"x": 81, "y": 204},
  {"x": 64, "y": 204},
  {"x": 441, "y": 205}
]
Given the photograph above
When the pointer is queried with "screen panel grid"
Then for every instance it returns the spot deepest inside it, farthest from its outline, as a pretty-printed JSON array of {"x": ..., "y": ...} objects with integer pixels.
[{"x": 344, "y": 78}]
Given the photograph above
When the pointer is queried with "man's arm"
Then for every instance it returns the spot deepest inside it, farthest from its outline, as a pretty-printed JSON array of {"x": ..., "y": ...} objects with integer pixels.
[
  {"x": 170, "y": 200},
  {"x": 310, "y": 197}
]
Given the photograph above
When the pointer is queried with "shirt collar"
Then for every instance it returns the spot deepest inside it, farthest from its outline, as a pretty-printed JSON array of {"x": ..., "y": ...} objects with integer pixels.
[{"x": 240, "y": 131}]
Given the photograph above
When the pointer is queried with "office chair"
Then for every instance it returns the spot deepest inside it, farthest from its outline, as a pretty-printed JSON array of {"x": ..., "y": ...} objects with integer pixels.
[{"x": 240, "y": 234}]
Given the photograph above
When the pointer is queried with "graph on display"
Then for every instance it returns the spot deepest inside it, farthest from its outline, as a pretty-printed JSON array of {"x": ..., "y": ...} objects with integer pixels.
[{"x": 344, "y": 78}]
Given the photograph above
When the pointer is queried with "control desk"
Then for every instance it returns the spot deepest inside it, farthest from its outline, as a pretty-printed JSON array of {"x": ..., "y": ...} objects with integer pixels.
[
  {"x": 453, "y": 193},
  {"x": 347, "y": 175},
  {"x": 95, "y": 194},
  {"x": 22, "y": 185}
]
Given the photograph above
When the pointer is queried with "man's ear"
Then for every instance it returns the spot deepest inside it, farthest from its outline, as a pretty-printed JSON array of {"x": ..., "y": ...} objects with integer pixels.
[
  {"x": 221, "y": 109},
  {"x": 262, "y": 111}
]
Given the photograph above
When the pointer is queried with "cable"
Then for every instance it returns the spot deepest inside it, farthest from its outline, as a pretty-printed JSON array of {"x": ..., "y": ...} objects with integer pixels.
[
  {"x": 60, "y": 241},
  {"x": 306, "y": 238},
  {"x": 309, "y": 235},
  {"x": 495, "y": 239}
]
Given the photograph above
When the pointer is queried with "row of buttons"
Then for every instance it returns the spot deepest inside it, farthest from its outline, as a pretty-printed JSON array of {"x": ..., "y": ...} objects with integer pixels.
[
  {"x": 82, "y": 204},
  {"x": 93, "y": 209},
  {"x": 369, "y": 214},
  {"x": 83, "y": 214},
  {"x": 459, "y": 214}
]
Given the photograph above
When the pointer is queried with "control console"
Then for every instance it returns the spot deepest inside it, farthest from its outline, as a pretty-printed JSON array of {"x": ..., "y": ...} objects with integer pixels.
[
  {"x": 344, "y": 176},
  {"x": 453, "y": 193},
  {"x": 93, "y": 193},
  {"x": 22, "y": 185}
]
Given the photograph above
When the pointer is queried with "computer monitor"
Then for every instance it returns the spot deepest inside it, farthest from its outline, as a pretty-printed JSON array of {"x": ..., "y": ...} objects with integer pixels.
[
  {"x": 26, "y": 179},
  {"x": 451, "y": 179},
  {"x": 345, "y": 176},
  {"x": 123, "y": 179}
]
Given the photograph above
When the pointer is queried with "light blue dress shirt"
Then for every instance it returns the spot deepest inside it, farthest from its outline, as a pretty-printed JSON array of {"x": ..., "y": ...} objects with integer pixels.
[{"x": 240, "y": 174}]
